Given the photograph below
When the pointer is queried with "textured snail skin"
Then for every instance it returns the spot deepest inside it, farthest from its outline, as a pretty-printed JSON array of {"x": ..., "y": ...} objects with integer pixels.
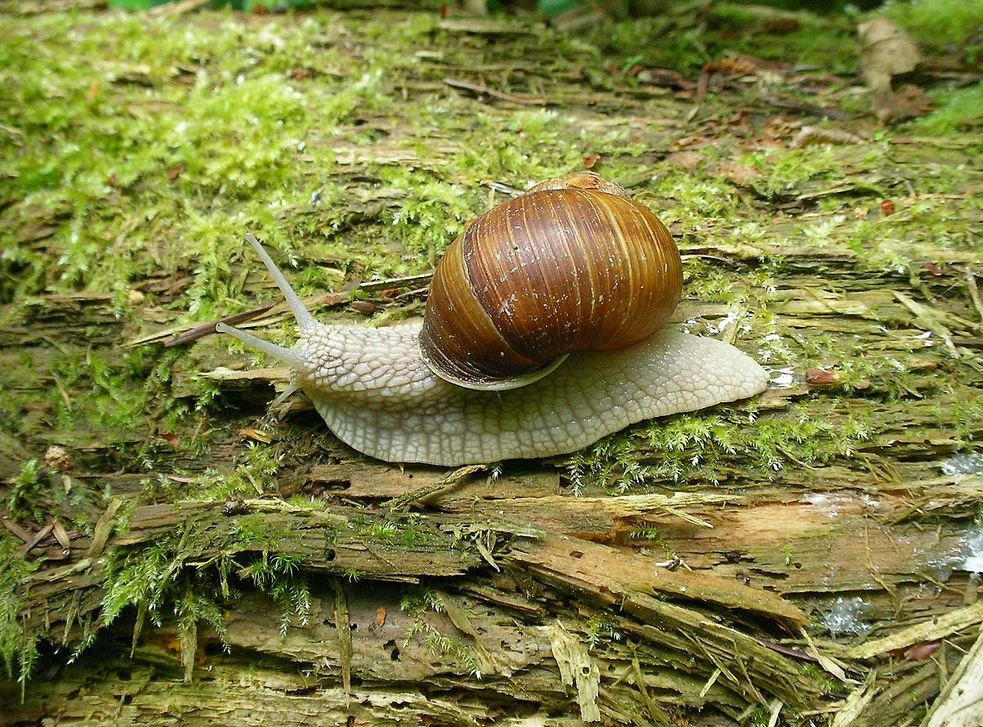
[{"x": 377, "y": 395}]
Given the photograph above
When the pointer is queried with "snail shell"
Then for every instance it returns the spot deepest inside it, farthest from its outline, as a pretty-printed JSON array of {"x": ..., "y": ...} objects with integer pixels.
[{"x": 574, "y": 264}]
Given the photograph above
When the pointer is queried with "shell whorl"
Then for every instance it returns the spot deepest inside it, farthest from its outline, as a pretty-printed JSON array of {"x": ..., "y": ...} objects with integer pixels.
[{"x": 559, "y": 269}]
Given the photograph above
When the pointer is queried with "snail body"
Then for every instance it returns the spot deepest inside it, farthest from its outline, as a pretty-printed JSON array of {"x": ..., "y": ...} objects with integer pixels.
[{"x": 386, "y": 393}]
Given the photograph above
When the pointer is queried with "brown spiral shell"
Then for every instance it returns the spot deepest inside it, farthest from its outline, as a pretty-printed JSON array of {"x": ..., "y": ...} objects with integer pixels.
[{"x": 573, "y": 264}]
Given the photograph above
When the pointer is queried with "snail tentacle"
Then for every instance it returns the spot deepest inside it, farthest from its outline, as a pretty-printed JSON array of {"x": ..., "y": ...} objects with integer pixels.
[
  {"x": 285, "y": 355},
  {"x": 305, "y": 321}
]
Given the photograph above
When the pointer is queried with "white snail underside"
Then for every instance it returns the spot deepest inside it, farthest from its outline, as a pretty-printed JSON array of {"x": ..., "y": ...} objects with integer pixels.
[{"x": 374, "y": 391}]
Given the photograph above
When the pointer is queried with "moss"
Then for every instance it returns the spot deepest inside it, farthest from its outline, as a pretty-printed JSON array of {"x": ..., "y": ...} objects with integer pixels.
[
  {"x": 106, "y": 396},
  {"x": 961, "y": 419},
  {"x": 218, "y": 144},
  {"x": 142, "y": 578},
  {"x": 352, "y": 574},
  {"x": 18, "y": 643},
  {"x": 707, "y": 282},
  {"x": 956, "y": 110},
  {"x": 694, "y": 198},
  {"x": 799, "y": 38},
  {"x": 687, "y": 41},
  {"x": 396, "y": 529},
  {"x": 24, "y": 501},
  {"x": 279, "y": 575},
  {"x": 703, "y": 447},
  {"x": 940, "y": 25},
  {"x": 636, "y": 42},
  {"x": 415, "y": 603},
  {"x": 152, "y": 576},
  {"x": 193, "y": 607},
  {"x": 256, "y": 530}
]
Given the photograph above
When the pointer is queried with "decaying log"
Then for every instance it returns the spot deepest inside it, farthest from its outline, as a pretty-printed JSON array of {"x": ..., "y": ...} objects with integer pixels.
[{"x": 809, "y": 558}]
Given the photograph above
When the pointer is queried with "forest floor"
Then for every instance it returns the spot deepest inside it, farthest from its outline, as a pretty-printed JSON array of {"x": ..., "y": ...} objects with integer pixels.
[{"x": 174, "y": 553}]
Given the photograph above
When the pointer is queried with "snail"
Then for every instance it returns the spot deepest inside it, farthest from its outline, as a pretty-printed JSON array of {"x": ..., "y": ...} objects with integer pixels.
[{"x": 502, "y": 368}]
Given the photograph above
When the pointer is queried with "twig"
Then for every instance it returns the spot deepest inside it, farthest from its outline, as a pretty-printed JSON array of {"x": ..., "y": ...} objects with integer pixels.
[
  {"x": 342, "y": 619},
  {"x": 16, "y": 530},
  {"x": 974, "y": 292},
  {"x": 204, "y": 329},
  {"x": 479, "y": 90},
  {"x": 415, "y": 293},
  {"x": 961, "y": 699},
  {"x": 808, "y": 109},
  {"x": 424, "y": 493},
  {"x": 935, "y": 628},
  {"x": 38, "y": 537},
  {"x": 504, "y": 188},
  {"x": 408, "y": 281},
  {"x": 701, "y": 94}
]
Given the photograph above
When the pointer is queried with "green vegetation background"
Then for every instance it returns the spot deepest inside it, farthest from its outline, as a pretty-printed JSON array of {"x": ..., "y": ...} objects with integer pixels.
[{"x": 137, "y": 150}]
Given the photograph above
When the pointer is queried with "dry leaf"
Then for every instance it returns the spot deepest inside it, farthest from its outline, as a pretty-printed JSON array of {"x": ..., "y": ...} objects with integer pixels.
[
  {"x": 740, "y": 174},
  {"x": 732, "y": 66},
  {"x": 61, "y": 535},
  {"x": 255, "y": 434},
  {"x": 366, "y": 307},
  {"x": 16, "y": 530},
  {"x": 688, "y": 160},
  {"x": 905, "y": 103},
  {"x": 171, "y": 438},
  {"x": 820, "y": 377},
  {"x": 923, "y": 651}
]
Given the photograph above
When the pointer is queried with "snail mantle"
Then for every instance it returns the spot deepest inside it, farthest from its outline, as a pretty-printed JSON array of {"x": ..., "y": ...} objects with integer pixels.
[{"x": 542, "y": 334}]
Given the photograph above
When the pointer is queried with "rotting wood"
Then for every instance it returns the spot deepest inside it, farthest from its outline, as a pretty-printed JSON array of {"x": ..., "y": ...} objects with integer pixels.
[
  {"x": 937, "y": 628},
  {"x": 483, "y": 645},
  {"x": 960, "y": 703},
  {"x": 595, "y": 568},
  {"x": 875, "y": 540}
]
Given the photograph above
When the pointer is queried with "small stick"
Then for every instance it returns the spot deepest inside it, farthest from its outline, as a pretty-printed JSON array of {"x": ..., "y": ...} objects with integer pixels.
[
  {"x": 480, "y": 90},
  {"x": 819, "y": 111},
  {"x": 39, "y": 536},
  {"x": 974, "y": 292},
  {"x": 205, "y": 329}
]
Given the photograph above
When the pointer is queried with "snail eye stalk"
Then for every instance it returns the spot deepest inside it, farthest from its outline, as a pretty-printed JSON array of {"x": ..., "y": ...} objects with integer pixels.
[{"x": 305, "y": 321}]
